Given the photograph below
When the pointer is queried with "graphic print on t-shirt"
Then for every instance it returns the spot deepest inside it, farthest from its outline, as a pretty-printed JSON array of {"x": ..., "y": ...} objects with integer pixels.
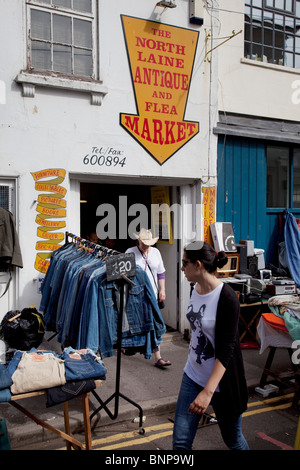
[{"x": 204, "y": 349}]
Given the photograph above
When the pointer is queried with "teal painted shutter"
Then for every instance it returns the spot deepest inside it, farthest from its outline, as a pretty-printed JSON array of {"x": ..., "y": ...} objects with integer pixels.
[{"x": 241, "y": 190}]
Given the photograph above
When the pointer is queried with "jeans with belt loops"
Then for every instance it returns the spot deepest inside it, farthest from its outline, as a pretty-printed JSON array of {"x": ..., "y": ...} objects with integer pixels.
[{"x": 79, "y": 365}]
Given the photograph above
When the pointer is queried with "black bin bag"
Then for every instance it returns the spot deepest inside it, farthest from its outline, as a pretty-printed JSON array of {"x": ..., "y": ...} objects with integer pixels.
[{"x": 22, "y": 329}]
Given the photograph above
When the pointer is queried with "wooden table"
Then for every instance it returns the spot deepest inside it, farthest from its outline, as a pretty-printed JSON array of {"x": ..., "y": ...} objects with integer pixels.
[
  {"x": 282, "y": 340},
  {"x": 66, "y": 435},
  {"x": 257, "y": 309}
]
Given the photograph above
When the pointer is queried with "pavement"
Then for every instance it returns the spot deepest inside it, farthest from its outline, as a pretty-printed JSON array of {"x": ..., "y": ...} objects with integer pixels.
[{"x": 153, "y": 389}]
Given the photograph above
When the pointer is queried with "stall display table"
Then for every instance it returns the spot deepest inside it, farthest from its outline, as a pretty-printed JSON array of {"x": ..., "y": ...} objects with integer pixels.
[
  {"x": 249, "y": 314},
  {"x": 66, "y": 435},
  {"x": 273, "y": 334}
]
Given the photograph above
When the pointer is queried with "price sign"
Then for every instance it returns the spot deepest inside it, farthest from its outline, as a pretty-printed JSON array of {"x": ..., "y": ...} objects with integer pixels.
[{"x": 120, "y": 265}]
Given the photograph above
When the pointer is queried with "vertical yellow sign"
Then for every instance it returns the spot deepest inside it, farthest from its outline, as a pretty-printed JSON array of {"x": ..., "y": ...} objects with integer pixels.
[
  {"x": 208, "y": 211},
  {"x": 161, "y": 214},
  {"x": 161, "y": 59}
]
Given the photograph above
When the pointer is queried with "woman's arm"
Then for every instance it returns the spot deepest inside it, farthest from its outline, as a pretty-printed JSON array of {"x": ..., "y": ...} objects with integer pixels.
[
  {"x": 201, "y": 402},
  {"x": 162, "y": 289}
]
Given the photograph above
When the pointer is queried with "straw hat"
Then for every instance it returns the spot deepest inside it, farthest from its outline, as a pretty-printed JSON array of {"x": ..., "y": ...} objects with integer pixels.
[{"x": 146, "y": 237}]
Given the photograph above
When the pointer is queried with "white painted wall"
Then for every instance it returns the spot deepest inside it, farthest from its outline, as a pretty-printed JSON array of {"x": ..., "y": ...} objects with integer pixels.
[
  {"x": 57, "y": 128},
  {"x": 251, "y": 87}
]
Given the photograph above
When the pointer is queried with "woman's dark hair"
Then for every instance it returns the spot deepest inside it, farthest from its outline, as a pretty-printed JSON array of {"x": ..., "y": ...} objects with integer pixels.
[{"x": 204, "y": 252}]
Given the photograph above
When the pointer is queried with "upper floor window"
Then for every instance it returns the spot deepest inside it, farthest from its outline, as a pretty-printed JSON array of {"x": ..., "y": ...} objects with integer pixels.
[
  {"x": 283, "y": 177},
  {"x": 272, "y": 31},
  {"x": 61, "y": 37}
]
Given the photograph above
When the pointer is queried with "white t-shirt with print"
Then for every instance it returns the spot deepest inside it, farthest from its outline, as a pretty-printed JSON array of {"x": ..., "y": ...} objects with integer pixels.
[
  {"x": 201, "y": 313},
  {"x": 153, "y": 259}
]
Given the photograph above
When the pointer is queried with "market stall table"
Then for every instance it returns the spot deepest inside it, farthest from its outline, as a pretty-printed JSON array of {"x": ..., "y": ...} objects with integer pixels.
[
  {"x": 249, "y": 314},
  {"x": 273, "y": 334},
  {"x": 67, "y": 436}
]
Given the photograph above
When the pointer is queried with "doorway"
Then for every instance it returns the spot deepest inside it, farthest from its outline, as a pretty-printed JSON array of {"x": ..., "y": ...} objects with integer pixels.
[
  {"x": 124, "y": 202},
  {"x": 111, "y": 199}
]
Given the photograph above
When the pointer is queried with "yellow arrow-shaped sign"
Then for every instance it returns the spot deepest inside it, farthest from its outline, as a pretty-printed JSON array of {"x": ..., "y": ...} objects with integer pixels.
[{"x": 161, "y": 59}]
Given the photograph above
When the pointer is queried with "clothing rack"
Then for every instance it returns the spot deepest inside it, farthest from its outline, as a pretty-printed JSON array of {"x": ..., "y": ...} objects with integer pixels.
[
  {"x": 121, "y": 280},
  {"x": 88, "y": 243}
]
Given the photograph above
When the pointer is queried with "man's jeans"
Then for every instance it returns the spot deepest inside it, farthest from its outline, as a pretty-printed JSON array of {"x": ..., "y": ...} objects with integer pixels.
[{"x": 186, "y": 424}]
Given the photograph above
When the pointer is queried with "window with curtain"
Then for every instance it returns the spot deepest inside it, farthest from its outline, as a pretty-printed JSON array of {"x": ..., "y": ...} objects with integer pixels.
[
  {"x": 62, "y": 37},
  {"x": 272, "y": 31}
]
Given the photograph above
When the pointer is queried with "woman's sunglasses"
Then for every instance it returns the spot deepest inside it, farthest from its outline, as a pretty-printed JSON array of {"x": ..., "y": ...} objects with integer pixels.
[{"x": 185, "y": 262}]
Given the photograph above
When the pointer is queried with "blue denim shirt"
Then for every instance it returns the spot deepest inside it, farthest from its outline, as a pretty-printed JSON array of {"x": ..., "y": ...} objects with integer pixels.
[
  {"x": 99, "y": 320},
  {"x": 52, "y": 289},
  {"x": 83, "y": 310},
  {"x": 46, "y": 286},
  {"x": 68, "y": 294}
]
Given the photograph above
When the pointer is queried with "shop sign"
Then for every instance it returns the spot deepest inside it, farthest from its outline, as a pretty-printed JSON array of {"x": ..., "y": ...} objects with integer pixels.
[
  {"x": 161, "y": 214},
  {"x": 51, "y": 208},
  {"x": 161, "y": 59},
  {"x": 208, "y": 211}
]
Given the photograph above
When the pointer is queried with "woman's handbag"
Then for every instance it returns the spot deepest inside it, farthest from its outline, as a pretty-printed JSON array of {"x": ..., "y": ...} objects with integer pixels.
[{"x": 161, "y": 303}]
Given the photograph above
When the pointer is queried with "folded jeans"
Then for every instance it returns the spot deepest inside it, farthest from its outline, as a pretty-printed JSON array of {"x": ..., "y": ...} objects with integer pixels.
[{"x": 70, "y": 390}]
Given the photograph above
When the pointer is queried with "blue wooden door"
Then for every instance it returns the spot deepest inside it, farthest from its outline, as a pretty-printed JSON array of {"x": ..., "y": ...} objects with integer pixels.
[{"x": 241, "y": 191}]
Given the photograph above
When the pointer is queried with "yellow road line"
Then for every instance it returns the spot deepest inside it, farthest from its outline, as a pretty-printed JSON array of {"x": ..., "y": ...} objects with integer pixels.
[
  {"x": 129, "y": 434},
  {"x": 266, "y": 409},
  {"x": 143, "y": 440},
  {"x": 139, "y": 441},
  {"x": 131, "y": 438},
  {"x": 271, "y": 400}
]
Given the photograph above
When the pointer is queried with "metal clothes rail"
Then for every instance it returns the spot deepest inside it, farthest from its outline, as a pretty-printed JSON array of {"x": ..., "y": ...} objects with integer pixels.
[{"x": 121, "y": 280}]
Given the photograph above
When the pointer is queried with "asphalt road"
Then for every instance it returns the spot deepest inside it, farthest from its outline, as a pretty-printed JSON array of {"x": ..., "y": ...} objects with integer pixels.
[{"x": 269, "y": 424}]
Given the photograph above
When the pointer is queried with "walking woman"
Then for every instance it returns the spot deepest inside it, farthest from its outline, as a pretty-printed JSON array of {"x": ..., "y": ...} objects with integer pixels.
[{"x": 214, "y": 371}]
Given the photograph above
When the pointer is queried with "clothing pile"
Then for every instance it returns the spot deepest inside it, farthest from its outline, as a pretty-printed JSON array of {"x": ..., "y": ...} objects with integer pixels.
[
  {"x": 63, "y": 376},
  {"x": 287, "y": 307},
  {"x": 82, "y": 307}
]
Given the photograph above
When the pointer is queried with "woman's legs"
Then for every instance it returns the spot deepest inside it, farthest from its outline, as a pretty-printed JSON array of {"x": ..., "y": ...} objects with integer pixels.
[
  {"x": 185, "y": 425},
  {"x": 231, "y": 429},
  {"x": 158, "y": 360}
]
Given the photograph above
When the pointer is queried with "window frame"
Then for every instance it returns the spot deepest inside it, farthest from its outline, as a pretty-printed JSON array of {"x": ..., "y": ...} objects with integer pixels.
[
  {"x": 292, "y": 150},
  {"x": 31, "y": 78},
  {"x": 69, "y": 13},
  {"x": 274, "y": 53},
  {"x": 274, "y": 8}
]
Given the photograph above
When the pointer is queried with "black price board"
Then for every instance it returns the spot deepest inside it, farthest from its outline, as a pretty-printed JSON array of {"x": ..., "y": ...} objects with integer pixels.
[{"x": 120, "y": 265}]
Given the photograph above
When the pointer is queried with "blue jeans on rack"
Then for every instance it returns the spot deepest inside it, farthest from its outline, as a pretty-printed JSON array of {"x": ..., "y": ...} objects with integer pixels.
[
  {"x": 46, "y": 286},
  {"x": 185, "y": 426}
]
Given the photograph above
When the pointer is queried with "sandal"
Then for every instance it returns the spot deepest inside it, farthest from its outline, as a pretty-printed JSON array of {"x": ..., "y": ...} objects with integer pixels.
[{"x": 162, "y": 363}]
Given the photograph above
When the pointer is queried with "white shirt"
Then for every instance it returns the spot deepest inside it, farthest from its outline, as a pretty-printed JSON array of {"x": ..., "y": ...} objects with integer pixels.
[
  {"x": 201, "y": 313},
  {"x": 153, "y": 259}
]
